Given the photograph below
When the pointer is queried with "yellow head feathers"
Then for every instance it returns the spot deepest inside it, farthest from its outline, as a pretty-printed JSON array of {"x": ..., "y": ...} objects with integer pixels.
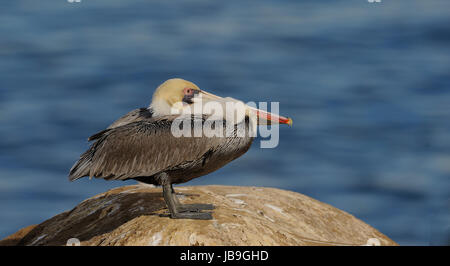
[{"x": 171, "y": 91}]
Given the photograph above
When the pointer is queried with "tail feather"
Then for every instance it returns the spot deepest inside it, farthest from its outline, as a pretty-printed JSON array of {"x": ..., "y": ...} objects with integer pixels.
[{"x": 82, "y": 167}]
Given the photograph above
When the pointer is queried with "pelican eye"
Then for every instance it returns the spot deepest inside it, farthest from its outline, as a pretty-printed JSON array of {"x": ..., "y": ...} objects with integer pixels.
[{"x": 189, "y": 93}]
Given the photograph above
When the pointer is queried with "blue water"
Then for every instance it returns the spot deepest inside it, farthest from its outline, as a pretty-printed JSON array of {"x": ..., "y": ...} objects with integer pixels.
[{"x": 367, "y": 85}]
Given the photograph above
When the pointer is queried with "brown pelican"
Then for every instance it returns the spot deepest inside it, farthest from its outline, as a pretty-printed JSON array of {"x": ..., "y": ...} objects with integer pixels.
[{"x": 141, "y": 144}]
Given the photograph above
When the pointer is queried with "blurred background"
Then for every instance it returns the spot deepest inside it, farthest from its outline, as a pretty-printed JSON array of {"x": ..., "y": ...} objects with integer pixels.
[{"x": 367, "y": 85}]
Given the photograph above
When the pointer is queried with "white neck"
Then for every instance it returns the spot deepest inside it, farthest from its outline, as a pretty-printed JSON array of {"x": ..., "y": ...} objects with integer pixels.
[{"x": 160, "y": 107}]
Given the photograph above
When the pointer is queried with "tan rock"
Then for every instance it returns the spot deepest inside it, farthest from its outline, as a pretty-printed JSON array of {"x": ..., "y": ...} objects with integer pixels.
[
  {"x": 134, "y": 215},
  {"x": 14, "y": 239}
]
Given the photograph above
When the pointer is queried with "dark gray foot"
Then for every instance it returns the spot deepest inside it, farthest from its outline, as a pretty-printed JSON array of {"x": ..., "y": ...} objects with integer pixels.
[
  {"x": 183, "y": 211},
  {"x": 192, "y": 215},
  {"x": 194, "y": 207}
]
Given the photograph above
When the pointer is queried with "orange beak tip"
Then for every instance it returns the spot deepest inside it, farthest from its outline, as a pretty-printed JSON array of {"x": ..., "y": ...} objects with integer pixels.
[{"x": 289, "y": 122}]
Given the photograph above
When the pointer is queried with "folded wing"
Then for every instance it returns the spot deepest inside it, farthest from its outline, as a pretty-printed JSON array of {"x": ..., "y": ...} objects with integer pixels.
[{"x": 141, "y": 148}]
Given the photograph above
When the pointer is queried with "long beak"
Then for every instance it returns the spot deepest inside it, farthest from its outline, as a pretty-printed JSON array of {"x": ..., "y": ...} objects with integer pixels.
[
  {"x": 264, "y": 118},
  {"x": 210, "y": 97}
]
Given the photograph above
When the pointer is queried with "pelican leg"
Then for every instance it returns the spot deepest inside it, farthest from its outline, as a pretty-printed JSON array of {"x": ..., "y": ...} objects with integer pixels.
[
  {"x": 171, "y": 200},
  {"x": 190, "y": 207}
]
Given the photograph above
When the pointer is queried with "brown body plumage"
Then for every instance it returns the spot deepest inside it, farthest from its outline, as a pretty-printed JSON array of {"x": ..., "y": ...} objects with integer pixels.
[{"x": 139, "y": 146}]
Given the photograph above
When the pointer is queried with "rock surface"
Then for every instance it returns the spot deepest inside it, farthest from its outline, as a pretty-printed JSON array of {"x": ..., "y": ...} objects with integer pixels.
[{"x": 135, "y": 215}]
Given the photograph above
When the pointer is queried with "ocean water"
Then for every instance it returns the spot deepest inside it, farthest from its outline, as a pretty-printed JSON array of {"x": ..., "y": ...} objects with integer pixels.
[{"x": 367, "y": 85}]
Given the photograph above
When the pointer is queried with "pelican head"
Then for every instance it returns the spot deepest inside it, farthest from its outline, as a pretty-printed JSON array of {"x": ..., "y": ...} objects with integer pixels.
[{"x": 177, "y": 95}]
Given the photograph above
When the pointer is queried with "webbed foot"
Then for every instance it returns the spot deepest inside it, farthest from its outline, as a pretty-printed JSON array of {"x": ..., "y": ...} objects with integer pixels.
[
  {"x": 192, "y": 215},
  {"x": 194, "y": 207}
]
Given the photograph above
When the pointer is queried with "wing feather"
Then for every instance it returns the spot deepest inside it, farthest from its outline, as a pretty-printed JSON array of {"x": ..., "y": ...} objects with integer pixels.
[{"x": 141, "y": 148}]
